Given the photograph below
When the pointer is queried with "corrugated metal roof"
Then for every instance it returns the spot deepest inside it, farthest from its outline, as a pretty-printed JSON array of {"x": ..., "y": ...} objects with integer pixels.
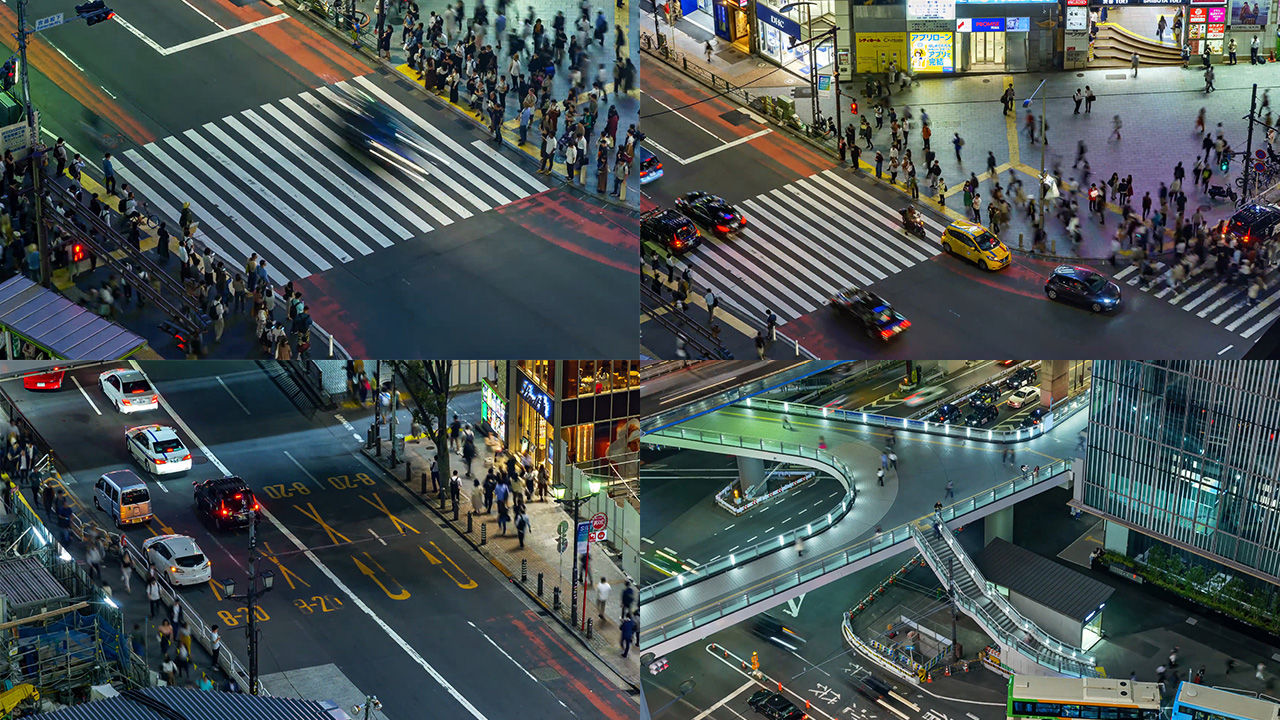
[
  {"x": 70, "y": 331},
  {"x": 1049, "y": 583},
  {"x": 192, "y": 704},
  {"x": 25, "y": 581}
]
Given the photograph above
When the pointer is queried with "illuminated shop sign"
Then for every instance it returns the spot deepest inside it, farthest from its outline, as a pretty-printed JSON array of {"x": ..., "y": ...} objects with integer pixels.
[
  {"x": 932, "y": 52},
  {"x": 931, "y": 9},
  {"x": 493, "y": 408},
  {"x": 538, "y": 400}
]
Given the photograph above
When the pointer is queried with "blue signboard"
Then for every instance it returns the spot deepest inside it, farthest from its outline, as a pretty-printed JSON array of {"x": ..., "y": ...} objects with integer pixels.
[
  {"x": 1018, "y": 24},
  {"x": 538, "y": 400},
  {"x": 988, "y": 24},
  {"x": 583, "y": 530},
  {"x": 783, "y": 23}
]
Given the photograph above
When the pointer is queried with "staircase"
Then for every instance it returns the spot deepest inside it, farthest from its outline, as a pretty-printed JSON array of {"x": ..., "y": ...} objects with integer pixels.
[
  {"x": 284, "y": 380},
  {"x": 1115, "y": 46},
  {"x": 1035, "y": 649}
]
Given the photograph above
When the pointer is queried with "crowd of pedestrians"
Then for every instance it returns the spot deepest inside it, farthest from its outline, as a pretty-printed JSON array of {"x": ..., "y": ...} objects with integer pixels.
[{"x": 453, "y": 56}]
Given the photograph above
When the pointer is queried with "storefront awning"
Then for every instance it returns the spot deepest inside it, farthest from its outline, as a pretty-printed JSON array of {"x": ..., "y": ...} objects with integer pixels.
[{"x": 61, "y": 327}]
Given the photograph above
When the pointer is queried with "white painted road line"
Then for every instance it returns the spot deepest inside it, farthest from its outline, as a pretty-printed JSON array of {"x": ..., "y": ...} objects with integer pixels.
[
  {"x": 304, "y": 470},
  {"x": 233, "y": 395},
  {"x": 726, "y": 146},
  {"x": 306, "y": 552},
  {"x": 86, "y": 395},
  {"x": 725, "y": 699}
]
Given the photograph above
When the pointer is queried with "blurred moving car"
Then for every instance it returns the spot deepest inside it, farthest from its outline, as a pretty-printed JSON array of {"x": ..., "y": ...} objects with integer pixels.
[
  {"x": 775, "y": 631},
  {"x": 375, "y": 128},
  {"x": 711, "y": 211},
  {"x": 650, "y": 165},
  {"x": 924, "y": 395},
  {"x": 47, "y": 380},
  {"x": 1082, "y": 286},
  {"x": 878, "y": 318}
]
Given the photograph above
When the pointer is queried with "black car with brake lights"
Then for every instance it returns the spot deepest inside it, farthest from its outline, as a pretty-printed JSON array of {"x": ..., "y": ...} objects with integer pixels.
[
  {"x": 981, "y": 416},
  {"x": 711, "y": 211},
  {"x": 670, "y": 230},
  {"x": 650, "y": 166},
  {"x": 1021, "y": 376},
  {"x": 225, "y": 503},
  {"x": 878, "y": 318},
  {"x": 1082, "y": 286},
  {"x": 1254, "y": 224},
  {"x": 1033, "y": 418},
  {"x": 945, "y": 413}
]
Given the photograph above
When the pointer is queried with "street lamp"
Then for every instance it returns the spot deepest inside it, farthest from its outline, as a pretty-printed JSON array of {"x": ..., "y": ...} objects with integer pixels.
[
  {"x": 371, "y": 703},
  {"x": 576, "y": 502},
  {"x": 251, "y": 598}
]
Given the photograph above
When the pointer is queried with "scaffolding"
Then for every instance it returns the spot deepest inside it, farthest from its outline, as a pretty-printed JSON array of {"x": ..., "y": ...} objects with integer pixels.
[{"x": 58, "y": 631}]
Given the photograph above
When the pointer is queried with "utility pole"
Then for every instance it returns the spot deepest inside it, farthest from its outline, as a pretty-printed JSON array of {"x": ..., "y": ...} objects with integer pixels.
[
  {"x": 42, "y": 242},
  {"x": 1026, "y": 104},
  {"x": 391, "y": 424},
  {"x": 251, "y": 598},
  {"x": 1247, "y": 174},
  {"x": 376, "y": 429}
]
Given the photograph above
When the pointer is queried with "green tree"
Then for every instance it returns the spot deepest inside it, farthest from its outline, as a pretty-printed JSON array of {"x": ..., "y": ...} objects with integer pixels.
[{"x": 427, "y": 383}]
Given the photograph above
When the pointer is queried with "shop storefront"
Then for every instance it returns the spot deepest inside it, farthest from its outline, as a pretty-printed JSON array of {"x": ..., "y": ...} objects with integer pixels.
[
  {"x": 778, "y": 30},
  {"x": 493, "y": 408},
  {"x": 732, "y": 20}
]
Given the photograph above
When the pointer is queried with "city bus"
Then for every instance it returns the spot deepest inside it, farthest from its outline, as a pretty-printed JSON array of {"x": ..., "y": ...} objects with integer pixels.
[
  {"x": 1200, "y": 702},
  {"x": 1050, "y": 698}
]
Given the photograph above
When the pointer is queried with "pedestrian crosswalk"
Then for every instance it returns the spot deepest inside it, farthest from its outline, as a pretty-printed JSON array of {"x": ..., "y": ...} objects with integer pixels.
[
  {"x": 281, "y": 181},
  {"x": 807, "y": 240},
  {"x": 1208, "y": 296}
]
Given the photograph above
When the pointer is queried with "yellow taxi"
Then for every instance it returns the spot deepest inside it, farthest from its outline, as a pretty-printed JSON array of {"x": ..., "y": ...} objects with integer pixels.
[{"x": 976, "y": 244}]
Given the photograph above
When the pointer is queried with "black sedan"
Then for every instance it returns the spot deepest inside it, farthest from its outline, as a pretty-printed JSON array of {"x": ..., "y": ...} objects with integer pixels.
[
  {"x": 981, "y": 416},
  {"x": 711, "y": 211},
  {"x": 985, "y": 395},
  {"x": 945, "y": 413},
  {"x": 669, "y": 229},
  {"x": 878, "y": 318},
  {"x": 1033, "y": 418},
  {"x": 1082, "y": 286}
]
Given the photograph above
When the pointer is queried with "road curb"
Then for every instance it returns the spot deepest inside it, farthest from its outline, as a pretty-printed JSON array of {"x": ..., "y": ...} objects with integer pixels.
[{"x": 511, "y": 578}]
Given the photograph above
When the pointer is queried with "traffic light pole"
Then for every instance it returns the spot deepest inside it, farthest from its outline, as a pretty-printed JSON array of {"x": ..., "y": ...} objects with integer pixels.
[
  {"x": 42, "y": 243},
  {"x": 1248, "y": 150}
]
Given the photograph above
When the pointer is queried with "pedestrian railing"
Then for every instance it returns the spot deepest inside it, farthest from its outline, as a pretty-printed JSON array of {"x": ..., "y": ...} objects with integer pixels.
[
  {"x": 814, "y": 457},
  {"x": 722, "y": 497},
  {"x": 789, "y": 374},
  {"x": 991, "y": 606},
  {"x": 1060, "y": 412},
  {"x": 838, "y": 558}
]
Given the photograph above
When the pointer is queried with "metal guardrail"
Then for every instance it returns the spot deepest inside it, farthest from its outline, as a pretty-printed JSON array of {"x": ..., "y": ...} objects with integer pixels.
[
  {"x": 848, "y": 555},
  {"x": 790, "y": 374},
  {"x": 1061, "y": 412},
  {"x": 753, "y": 502},
  {"x": 832, "y": 463},
  {"x": 1056, "y": 654}
]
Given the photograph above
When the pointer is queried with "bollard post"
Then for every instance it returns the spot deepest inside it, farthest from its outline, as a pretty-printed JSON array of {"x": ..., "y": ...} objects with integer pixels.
[
  {"x": 539, "y": 584},
  {"x": 470, "y": 516},
  {"x": 424, "y": 484},
  {"x": 555, "y": 599},
  {"x": 484, "y": 533},
  {"x": 1019, "y": 241},
  {"x": 524, "y": 570},
  {"x": 455, "y": 512},
  {"x": 590, "y": 626},
  {"x": 573, "y": 611},
  {"x": 408, "y": 474},
  {"x": 444, "y": 502}
]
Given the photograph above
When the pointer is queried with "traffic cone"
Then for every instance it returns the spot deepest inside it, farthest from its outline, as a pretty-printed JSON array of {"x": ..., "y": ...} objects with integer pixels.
[
  {"x": 947, "y": 671},
  {"x": 928, "y": 677}
]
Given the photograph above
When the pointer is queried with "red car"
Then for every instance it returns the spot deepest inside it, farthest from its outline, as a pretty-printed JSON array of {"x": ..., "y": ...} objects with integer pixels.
[{"x": 50, "y": 380}]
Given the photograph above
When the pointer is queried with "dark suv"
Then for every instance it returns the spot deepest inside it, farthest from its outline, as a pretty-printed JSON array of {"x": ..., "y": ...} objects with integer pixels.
[
  {"x": 225, "y": 503},
  {"x": 945, "y": 413},
  {"x": 984, "y": 395},
  {"x": 670, "y": 230},
  {"x": 1254, "y": 223},
  {"x": 1021, "y": 376},
  {"x": 981, "y": 416}
]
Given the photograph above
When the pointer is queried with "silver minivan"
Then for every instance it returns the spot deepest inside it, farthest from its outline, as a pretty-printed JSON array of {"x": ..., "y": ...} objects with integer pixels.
[{"x": 123, "y": 496}]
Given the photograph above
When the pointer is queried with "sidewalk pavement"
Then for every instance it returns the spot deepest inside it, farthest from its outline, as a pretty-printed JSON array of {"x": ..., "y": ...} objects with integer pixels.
[
  {"x": 539, "y": 553},
  {"x": 627, "y": 104},
  {"x": 1149, "y": 156}
]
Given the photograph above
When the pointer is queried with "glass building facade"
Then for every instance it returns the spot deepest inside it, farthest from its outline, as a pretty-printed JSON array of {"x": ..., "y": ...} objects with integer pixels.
[{"x": 1186, "y": 451}]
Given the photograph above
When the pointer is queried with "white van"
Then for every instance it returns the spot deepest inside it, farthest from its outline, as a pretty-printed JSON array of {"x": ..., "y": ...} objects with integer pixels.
[{"x": 123, "y": 496}]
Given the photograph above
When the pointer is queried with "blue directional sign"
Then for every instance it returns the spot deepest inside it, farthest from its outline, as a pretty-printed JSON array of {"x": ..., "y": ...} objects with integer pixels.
[{"x": 48, "y": 22}]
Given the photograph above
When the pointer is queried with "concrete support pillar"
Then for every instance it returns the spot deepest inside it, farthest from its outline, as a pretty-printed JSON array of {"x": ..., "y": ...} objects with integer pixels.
[
  {"x": 751, "y": 477},
  {"x": 1116, "y": 538},
  {"x": 998, "y": 525},
  {"x": 1055, "y": 381}
]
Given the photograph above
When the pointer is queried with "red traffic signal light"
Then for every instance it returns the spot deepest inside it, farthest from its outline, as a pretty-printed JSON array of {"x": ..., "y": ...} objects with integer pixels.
[
  {"x": 77, "y": 252},
  {"x": 853, "y": 107}
]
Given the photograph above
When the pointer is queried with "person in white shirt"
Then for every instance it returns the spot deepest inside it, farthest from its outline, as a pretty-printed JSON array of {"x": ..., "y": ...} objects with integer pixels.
[{"x": 603, "y": 590}]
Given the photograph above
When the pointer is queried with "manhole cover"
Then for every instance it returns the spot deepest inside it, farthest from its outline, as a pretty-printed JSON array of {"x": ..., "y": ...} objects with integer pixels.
[
  {"x": 546, "y": 674},
  {"x": 986, "y": 80}
]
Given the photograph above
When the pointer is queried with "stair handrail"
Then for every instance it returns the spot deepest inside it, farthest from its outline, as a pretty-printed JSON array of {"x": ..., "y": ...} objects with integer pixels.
[{"x": 1056, "y": 654}]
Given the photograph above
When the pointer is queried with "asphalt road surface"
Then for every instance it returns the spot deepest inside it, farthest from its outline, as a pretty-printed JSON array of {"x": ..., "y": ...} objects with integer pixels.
[
  {"x": 235, "y": 109},
  {"x": 814, "y": 229},
  {"x": 364, "y": 578}
]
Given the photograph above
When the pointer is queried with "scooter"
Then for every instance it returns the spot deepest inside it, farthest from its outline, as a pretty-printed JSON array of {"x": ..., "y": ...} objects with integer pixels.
[
  {"x": 915, "y": 227},
  {"x": 1223, "y": 191}
]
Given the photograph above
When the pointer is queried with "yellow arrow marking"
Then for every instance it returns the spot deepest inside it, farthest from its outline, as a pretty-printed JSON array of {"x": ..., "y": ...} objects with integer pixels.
[
  {"x": 215, "y": 586},
  {"x": 315, "y": 515},
  {"x": 381, "y": 504},
  {"x": 436, "y": 561},
  {"x": 288, "y": 575},
  {"x": 402, "y": 595}
]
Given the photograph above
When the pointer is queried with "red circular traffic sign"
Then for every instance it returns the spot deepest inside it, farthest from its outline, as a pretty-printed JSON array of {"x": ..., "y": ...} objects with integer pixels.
[{"x": 599, "y": 521}]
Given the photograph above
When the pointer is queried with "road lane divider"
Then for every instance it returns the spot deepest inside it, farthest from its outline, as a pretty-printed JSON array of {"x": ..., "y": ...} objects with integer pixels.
[
  {"x": 328, "y": 573},
  {"x": 86, "y": 395}
]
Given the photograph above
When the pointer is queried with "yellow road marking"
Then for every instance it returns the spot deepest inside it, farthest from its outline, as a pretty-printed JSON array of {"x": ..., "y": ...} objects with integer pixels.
[
  {"x": 469, "y": 584},
  {"x": 381, "y": 504},
  {"x": 285, "y": 572},
  {"x": 315, "y": 515},
  {"x": 402, "y": 595}
]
